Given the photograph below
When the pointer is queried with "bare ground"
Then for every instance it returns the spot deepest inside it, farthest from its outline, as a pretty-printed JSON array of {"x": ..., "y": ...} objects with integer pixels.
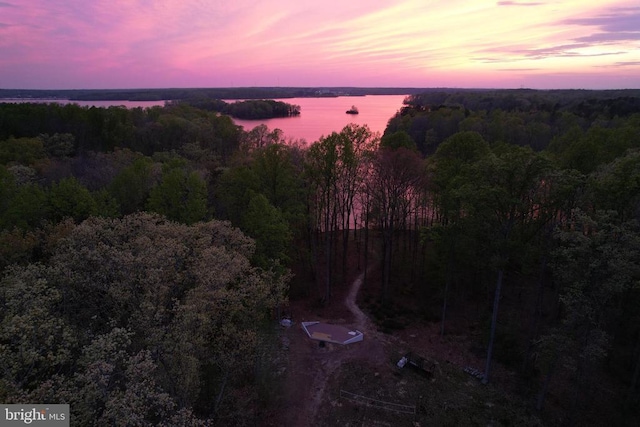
[
  {"x": 312, "y": 365},
  {"x": 316, "y": 374}
]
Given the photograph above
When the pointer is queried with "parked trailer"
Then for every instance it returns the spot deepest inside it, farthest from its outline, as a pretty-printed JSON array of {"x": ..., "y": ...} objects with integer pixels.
[{"x": 417, "y": 363}]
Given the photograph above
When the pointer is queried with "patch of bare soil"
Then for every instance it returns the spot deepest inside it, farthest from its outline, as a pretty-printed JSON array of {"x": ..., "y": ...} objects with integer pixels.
[
  {"x": 312, "y": 364},
  {"x": 360, "y": 384}
]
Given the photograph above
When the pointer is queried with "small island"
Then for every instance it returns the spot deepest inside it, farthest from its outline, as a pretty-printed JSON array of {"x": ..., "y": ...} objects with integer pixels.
[
  {"x": 353, "y": 110},
  {"x": 251, "y": 109}
]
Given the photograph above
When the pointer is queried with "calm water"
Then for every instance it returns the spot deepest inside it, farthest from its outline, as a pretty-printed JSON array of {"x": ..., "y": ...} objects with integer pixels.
[
  {"x": 318, "y": 116},
  {"x": 321, "y": 116}
]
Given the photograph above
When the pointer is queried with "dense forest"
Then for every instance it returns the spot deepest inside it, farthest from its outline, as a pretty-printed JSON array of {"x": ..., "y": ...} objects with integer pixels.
[
  {"x": 172, "y": 94},
  {"x": 248, "y": 109},
  {"x": 146, "y": 253}
]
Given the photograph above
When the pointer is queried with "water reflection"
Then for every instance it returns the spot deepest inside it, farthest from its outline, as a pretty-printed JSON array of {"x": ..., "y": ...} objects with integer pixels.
[{"x": 321, "y": 116}]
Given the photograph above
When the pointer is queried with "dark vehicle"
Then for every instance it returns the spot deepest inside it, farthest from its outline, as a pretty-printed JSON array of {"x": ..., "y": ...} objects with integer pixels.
[{"x": 417, "y": 363}]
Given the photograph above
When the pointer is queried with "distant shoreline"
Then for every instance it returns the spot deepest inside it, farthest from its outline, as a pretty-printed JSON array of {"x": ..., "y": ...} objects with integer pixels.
[{"x": 171, "y": 94}]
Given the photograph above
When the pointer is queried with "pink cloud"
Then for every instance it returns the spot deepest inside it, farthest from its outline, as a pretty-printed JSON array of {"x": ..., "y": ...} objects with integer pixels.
[{"x": 142, "y": 43}]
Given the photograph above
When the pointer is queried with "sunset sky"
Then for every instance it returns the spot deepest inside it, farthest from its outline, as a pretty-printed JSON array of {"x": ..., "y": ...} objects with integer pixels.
[{"x": 78, "y": 44}]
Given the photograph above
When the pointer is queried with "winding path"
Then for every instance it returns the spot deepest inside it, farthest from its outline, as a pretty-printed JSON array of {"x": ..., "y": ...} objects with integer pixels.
[
  {"x": 311, "y": 366},
  {"x": 362, "y": 322}
]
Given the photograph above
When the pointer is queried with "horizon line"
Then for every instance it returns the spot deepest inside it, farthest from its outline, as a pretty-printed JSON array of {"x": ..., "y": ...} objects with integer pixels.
[{"x": 319, "y": 87}]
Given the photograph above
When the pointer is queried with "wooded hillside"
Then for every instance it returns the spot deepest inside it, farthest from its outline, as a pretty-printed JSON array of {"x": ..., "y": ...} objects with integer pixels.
[{"x": 146, "y": 253}]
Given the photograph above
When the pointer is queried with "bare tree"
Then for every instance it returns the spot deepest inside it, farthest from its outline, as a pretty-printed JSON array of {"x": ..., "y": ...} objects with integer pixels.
[{"x": 393, "y": 186}]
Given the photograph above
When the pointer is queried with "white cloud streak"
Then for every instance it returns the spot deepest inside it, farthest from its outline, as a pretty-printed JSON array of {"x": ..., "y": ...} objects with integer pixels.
[{"x": 209, "y": 43}]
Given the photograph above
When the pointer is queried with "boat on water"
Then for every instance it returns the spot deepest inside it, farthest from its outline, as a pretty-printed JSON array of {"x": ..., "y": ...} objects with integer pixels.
[{"x": 353, "y": 110}]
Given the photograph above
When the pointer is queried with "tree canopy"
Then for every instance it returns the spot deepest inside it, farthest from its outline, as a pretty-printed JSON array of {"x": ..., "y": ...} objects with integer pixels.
[
  {"x": 128, "y": 315},
  {"x": 138, "y": 245}
]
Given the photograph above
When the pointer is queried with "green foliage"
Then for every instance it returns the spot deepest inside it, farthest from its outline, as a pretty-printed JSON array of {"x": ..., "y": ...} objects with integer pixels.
[
  {"x": 25, "y": 151},
  {"x": 335, "y": 172},
  {"x": 398, "y": 139},
  {"x": 265, "y": 223},
  {"x": 132, "y": 185},
  {"x": 59, "y": 145},
  {"x": 261, "y": 109},
  {"x": 513, "y": 194},
  {"x": 616, "y": 186},
  {"x": 262, "y": 195},
  {"x": 7, "y": 187},
  {"x": 585, "y": 151},
  {"x": 69, "y": 198},
  {"x": 180, "y": 196},
  {"x": 279, "y": 180},
  {"x": 452, "y": 169},
  {"x": 177, "y": 125},
  {"x": 260, "y": 137},
  {"x": 233, "y": 191},
  {"x": 427, "y": 127},
  {"x": 251, "y": 109},
  {"x": 463, "y": 147},
  {"x": 106, "y": 205},
  {"x": 505, "y": 190},
  {"x": 134, "y": 319},
  {"x": 35, "y": 341},
  {"x": 118, "y": 384},
  {"x": 28, "y": 208},
  {"x": 595, "y": 266},
  {"x": 64, "y": 130},
  {"x": 154, "y": 308}
]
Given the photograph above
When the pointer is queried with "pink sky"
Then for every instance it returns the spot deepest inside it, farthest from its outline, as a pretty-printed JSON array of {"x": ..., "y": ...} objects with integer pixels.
[{"x": 77, "y": 44}]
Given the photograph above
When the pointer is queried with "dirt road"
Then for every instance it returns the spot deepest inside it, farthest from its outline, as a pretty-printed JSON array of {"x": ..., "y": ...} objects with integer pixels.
[{"x": 311, "y": 365}]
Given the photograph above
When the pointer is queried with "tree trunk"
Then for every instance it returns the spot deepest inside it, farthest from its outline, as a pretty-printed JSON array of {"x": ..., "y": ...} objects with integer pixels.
[
  {"x": 449, "y": 279},
  {"x": 537, "y": 315},
  {"x": 366, "y": 247},
  {"x": 357, "y": 239},
  {"x": 221, "y": 392},
  {"x": 580, "y": 372},
  {"x": 313, "y": 247},
  {"x": 636, "y": 375},
  {"x": 494, "y": 322},
  {"x": 413, "y": 246},
  {"x": 575, "y": 399},
  {"x": 386, "y": 264},
  {"x": 345, "y": 245},
  {"x": 547, "y": 380},
  {"x": 327, "y": 256},
  {"x": 335, "y": 234},
  {"x": 446, "y": 293}
]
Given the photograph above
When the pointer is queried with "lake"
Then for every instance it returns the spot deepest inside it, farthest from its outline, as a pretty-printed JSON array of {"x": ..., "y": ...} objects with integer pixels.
[
  {"x": 321, "y": 116},
  {"x": 318, "y": 116}
]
